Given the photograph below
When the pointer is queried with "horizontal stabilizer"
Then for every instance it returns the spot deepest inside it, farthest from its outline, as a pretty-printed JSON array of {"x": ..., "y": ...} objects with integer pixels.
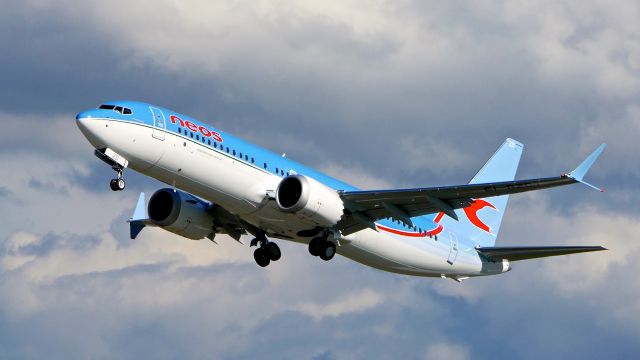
[{"x": 515, "y": 253}]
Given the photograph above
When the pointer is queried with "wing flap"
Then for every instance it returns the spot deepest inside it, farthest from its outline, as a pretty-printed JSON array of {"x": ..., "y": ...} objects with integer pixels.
[{"x": 516, "y": 253}]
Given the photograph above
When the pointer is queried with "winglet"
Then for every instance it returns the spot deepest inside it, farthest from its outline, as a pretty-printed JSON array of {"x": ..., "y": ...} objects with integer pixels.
[
  {"x": 139, "y": 218},
  {"x": 578, "y": 173}
]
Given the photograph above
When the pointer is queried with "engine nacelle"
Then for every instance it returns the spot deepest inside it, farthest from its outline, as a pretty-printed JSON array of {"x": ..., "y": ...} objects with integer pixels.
[
  {"x": 310, "y": 200},
  {"x": 181, "y": 213}
]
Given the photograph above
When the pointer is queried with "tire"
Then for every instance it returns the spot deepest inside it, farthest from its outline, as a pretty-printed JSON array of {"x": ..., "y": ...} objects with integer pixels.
[
  {"x": 315, "y": 246},
  {"x": 120, "y": 184},
  {"x": 261, "y": 258},
  {"x": 273, "y": 251},
  {"x": 328, "y": 251},
  {"x": 113, "y": 185}
]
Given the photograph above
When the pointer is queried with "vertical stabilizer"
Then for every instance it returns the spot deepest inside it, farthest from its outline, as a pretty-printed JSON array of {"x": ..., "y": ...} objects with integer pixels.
[{"x": 480, "y": 222}]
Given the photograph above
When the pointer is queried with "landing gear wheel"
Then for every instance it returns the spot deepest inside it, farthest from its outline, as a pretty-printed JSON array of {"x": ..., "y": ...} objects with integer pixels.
[
  {"x": 273, "y": 251},
  {"x": 261, "y": 257},
  {"x": 117, "y": 184},
  {"x": 315, "y": 246},
  {"x": 120, "y": 184},
  {"x": 328, "y": 250}
]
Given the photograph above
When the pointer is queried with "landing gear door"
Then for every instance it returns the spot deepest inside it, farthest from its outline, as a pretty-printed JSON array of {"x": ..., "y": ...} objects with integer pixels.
[
  {"x": 453, "y": 252},
  {"x": 158, "y": 123}
]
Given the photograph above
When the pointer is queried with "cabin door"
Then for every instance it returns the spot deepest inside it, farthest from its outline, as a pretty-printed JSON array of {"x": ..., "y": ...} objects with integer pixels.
[{"x": 158, "y": 124}]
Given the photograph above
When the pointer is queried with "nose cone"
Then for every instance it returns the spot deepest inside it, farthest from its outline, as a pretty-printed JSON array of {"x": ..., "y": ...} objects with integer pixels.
[
  {"x": 89, "y": 127},
  {"x": 83, "y": 119},
  {"x": 84, "y": 115}
]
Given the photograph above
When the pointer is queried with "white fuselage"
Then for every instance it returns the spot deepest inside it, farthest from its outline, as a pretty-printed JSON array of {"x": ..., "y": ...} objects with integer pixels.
[{"x": 242, "y": 188}]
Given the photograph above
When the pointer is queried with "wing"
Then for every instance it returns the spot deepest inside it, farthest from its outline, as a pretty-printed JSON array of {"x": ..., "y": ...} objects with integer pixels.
[
  {"x": 532, "y": 252},
  {"x": 365, "y": 207},
  {"x": 403, "y": 204}
]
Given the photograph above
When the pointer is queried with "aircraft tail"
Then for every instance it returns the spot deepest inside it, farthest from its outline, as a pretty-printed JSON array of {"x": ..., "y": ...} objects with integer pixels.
[{"x": 480, "y": 222}]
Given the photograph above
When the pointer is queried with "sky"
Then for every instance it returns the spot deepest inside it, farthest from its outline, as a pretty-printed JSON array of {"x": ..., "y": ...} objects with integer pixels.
[{"x": 381, "y": 94}]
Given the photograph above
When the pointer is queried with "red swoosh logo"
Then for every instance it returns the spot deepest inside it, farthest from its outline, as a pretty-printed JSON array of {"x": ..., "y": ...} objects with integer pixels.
[{"x": 472, "y": 213}]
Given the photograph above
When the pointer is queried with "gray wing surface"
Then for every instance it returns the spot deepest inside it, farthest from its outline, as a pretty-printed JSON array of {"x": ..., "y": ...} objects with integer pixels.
[
  {"x": 517, "y": 253},
  {"x": 365, "y": 207}
]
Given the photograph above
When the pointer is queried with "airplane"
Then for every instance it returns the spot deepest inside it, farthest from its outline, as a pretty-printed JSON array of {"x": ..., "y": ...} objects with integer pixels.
[{"x": 221, "y": 184}]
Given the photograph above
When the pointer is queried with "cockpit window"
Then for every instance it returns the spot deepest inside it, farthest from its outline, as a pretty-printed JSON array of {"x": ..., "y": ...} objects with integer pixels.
[{"x": 118, "y": 109}]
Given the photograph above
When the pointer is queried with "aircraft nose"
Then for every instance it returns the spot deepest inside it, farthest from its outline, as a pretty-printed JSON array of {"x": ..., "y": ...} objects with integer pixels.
[
  {"x": 83, "y": 115},
  {"x": 89, "y": 127}
]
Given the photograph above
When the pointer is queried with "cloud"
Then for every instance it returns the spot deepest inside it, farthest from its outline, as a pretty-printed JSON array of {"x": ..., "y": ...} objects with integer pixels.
[
  {"x": 447, "y": 351},
  {"x": 465, "y": 49},
  {"x": 379, "y": 82},
  {"x": 396, "y": 94},
  {"x": 154, "y": 290},
  {"x": 351, "y": 303},
  {"x": 355, "y": 175}
]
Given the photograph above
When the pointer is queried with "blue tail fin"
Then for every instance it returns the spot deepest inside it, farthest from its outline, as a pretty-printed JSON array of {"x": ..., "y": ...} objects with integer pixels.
[{"x": 480, "y": 222}]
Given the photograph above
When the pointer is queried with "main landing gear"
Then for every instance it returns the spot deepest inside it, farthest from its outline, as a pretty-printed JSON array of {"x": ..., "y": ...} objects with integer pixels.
[
  {"x": 322, "y": 247},
  {"x": 267, "y": 251}
]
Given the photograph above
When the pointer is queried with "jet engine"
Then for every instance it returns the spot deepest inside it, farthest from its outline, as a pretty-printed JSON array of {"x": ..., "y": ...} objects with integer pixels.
[
  {"x": 310, "y": 200},
  {"x": 181, "y": 213}
]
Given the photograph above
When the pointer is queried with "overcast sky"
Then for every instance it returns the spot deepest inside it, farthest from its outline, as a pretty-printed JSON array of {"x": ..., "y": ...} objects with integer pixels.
[{"x": 378, "y": 93}]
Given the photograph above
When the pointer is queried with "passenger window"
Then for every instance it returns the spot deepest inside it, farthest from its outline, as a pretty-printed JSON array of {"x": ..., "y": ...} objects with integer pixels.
[
  {"x": 252, "y": 161},
  {"x": 215, "y": 144},
  {"x": 192, "y": 135},
  {"x": 209, "y": 142},
  {"x": 277, "y": 171},
  {"x": 197, "y": 137},
  {"x": 246, "y": 157},
  {"x": 240, "y": 155},
  {"x": 179, "y": 131},
  {"x": 234, "y": 153},
  {"x": 227, "y": 149},
  {"x": 265, "y": 165}
]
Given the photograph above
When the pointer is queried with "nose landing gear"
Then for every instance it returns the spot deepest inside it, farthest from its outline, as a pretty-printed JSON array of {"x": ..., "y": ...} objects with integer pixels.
[
  {"x": 117, "y": 162},
  {"x": 267, "y": 251}
]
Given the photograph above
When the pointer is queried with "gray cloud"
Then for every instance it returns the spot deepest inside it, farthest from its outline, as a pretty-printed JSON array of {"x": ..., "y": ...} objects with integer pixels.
[{"x": 394, "y": 94}]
